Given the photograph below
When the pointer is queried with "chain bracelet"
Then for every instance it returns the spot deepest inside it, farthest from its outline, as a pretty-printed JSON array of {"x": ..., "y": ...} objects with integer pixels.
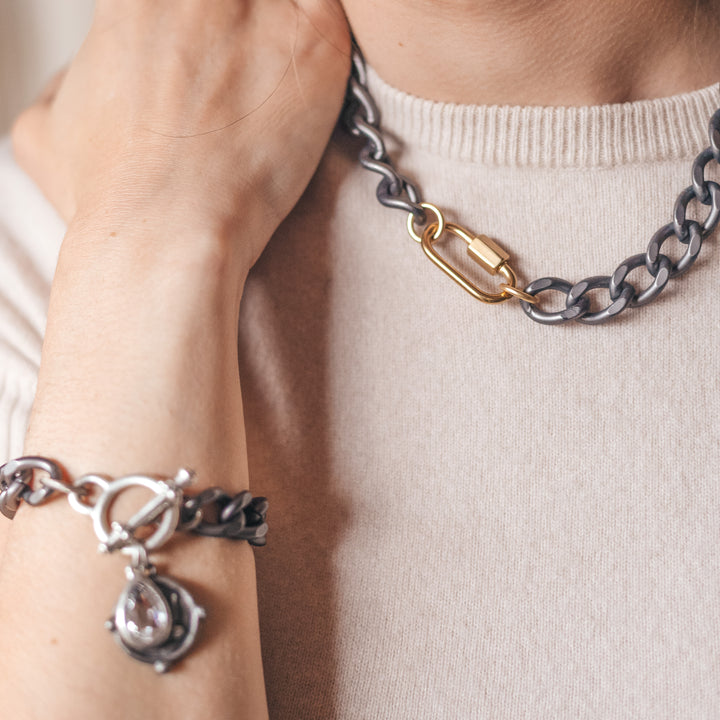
[
  {"x": 362, "y": 119},
  {"x": 155, "y": 619}
]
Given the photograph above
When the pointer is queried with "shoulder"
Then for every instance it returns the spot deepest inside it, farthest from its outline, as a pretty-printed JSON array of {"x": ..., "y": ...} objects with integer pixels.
[{"x": 30, "y": 236}]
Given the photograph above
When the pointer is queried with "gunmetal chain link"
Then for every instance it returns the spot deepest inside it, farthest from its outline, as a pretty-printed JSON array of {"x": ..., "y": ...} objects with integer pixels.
[
  {"x": 362, "y": 118},
  {"x": 239, "y": 517}
]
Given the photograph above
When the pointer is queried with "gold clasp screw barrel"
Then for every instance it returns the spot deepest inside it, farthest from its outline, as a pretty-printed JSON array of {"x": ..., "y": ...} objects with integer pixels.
[{"x": 487, "y": 253}]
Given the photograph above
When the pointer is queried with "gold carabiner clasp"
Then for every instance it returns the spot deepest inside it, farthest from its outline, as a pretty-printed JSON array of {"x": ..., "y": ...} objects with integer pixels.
[{"x": 488, "y": 254}]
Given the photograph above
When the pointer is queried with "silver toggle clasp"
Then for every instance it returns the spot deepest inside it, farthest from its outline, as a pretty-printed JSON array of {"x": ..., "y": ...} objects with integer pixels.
[{"x": 163, "y": 511}]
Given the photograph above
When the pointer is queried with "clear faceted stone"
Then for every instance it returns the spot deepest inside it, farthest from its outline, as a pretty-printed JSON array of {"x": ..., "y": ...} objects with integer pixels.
[{"x": 145, "y": 619}]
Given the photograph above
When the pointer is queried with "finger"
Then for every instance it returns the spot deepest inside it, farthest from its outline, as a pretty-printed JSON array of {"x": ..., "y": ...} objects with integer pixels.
[
  {"x": 31, "y": 128},
  {"x": 28, "y": 136},
  {"x": 32, "y": 146},
  {"x": 48, "y": 93}
]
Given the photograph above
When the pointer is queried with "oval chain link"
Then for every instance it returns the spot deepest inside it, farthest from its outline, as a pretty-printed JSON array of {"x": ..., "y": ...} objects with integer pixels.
[
  {"x": 362, "y": 118},
  {"x": 17, "y": 478}
]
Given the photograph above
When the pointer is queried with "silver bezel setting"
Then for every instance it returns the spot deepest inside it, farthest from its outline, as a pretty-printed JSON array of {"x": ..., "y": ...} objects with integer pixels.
[{"x": 182, "y": 622}]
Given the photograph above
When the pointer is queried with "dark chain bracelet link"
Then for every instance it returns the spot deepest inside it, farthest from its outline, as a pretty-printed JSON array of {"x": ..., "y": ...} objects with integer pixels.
[
  {"x": 362, "y": 118},
  {"x": 214, "y": 513}
]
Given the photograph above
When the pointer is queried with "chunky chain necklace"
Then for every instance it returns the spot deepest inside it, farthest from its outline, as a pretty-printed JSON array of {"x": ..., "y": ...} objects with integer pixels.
[{"x": 426, "y": 224}]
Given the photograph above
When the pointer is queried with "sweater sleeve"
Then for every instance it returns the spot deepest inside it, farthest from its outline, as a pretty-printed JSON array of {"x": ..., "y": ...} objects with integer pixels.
[
  {"x": 30, "y": 236},
  {"x": 16, "y": 396}
]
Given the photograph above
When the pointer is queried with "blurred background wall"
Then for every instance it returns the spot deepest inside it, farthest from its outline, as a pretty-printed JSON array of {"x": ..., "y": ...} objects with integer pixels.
[{"x": 37, "y": 37}]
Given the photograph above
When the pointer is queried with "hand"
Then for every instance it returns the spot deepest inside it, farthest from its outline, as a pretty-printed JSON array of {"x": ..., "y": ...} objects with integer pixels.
[{"x": 193, "y": 115}]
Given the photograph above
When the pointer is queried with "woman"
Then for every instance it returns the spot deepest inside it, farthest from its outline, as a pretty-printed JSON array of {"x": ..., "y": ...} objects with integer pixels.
[{"x": 472, "y": 515}]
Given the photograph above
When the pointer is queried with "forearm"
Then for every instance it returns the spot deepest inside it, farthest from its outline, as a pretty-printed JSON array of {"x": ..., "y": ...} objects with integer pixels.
[
  {"x": 141, "y": 338},
  {"x": 139, "y": 374}
]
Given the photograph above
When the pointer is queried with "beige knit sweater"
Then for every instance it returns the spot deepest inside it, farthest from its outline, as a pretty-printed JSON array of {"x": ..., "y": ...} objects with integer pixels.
[{"x": 473, "y": 516}]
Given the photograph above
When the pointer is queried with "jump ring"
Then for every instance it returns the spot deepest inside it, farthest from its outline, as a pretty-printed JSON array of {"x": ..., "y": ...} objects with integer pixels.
[
  {"x": 518, "y": 293},
  {"x": 81, "y": 500},
  {"x": 440, "y": 222}
]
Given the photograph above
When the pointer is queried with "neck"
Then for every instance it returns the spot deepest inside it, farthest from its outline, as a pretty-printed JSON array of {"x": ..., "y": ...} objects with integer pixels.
[{"x": 540, "y": 52}]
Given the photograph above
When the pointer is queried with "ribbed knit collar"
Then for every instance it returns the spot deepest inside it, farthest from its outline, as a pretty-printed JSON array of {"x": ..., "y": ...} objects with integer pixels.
[{"x": 592, "y": 136}]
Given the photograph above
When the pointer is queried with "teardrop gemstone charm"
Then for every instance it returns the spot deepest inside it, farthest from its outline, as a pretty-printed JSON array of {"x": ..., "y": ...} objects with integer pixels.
[
  {"x": 156, "y": 619},
  {"x": 142, "y": 615}
]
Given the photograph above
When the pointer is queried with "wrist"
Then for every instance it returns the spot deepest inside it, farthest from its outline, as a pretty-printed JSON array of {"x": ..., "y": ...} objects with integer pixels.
[
  {"x": 139, "y": 367},
  {"x": 182, "y": 241}
]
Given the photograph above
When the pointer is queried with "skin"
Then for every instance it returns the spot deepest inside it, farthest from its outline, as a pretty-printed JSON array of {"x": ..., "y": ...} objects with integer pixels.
[
  {"x": 540, "y": 52},
  {"x": 148, "y": 146}
]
